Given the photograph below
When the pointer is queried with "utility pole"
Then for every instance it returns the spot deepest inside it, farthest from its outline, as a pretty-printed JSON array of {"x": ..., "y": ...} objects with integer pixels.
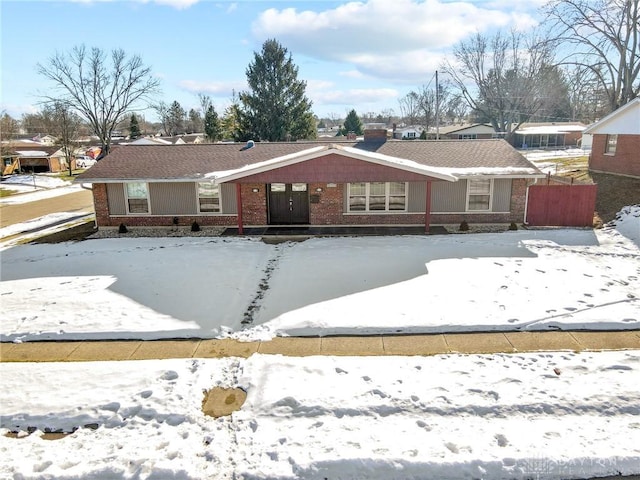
[{"x": 437, "y": 108}]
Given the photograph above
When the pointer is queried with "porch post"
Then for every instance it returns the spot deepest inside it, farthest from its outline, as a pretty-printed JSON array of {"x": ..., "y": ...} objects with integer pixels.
[
  {"x": 239, "y": 208},
  {"x": 427, "y": 213}
]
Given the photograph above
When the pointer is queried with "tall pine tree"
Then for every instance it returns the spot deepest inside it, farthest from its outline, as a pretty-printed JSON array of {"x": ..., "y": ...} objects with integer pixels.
[
  {"x": 276, "y": 107},
  {"x": 352, "y": 124},
  {"x": 134, "y": 128},
  {"x": 212, "y": 127}
]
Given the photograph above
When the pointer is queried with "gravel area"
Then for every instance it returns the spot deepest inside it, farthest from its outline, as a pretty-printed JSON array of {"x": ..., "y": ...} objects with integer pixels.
[{"x": 133, "y": 232}]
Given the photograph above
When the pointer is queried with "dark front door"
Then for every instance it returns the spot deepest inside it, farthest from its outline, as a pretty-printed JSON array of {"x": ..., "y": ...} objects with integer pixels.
[{"x": 288, "y": 203}]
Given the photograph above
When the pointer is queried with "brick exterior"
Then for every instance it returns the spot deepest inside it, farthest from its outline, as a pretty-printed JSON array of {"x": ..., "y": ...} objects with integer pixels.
[
  {"x": 327, "y": 210},
  {"x": 626, "y": 160},
  {"x": 254, "y": 204}
]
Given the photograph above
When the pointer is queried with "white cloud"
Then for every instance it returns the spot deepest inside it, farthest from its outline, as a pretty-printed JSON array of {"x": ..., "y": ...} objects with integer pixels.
[
  {"x": 393, "y": 40},
  {"x": 213, "y": 88},
  {"x": 354, "y": 96},
  {"x": 351, "y": 74}
]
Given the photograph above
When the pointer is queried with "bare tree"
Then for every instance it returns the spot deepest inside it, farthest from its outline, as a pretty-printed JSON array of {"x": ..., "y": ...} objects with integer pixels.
[
  {"x": 509, "y": 75},
  {"x": 102, "y": 89},
  {"x": 456, "y": 109},
  {"x": 409, "y": 108},
  {"x": 64, "y": 125},
  {"x": 9, "y": 128},
  {"x": 602, "y": 36}
]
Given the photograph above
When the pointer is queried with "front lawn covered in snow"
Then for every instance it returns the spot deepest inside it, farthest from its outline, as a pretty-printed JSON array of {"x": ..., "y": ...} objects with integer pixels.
[{"x": 150, "y": 288}]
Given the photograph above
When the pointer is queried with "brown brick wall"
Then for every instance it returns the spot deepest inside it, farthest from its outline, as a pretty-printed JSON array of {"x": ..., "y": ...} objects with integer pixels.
[{"x": 626, "y": 160}]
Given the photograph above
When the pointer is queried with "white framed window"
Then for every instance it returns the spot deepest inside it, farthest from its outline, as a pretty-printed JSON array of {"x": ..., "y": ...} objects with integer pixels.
[
  {"x": 209, "y": 198},
  {"x": 377, "y": 197},
  {"x": 137, "y": 195},
  {"x": 479, "y": 194},
  {"x": 468, "y": 136},
  {"x": 611, "y": 144}
]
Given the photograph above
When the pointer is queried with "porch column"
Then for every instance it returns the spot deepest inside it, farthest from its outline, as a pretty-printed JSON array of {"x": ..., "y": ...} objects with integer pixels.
[
  {"x": 427, "y": 213},
  {"x": 239, "y": 208}
]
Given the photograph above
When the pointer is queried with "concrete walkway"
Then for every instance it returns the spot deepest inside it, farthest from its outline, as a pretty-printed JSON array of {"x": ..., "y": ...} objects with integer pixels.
[{"x": 465, "y": 343}]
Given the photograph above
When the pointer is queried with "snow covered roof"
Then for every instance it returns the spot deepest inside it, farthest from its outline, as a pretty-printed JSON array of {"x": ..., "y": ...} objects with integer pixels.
[{"x": 550, "y": 129}]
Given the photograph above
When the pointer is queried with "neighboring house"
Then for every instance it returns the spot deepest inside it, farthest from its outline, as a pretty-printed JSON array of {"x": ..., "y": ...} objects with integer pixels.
[
  {"x": 370, "y": 182},
  {"x": 616, "y": 141},
  {"x": 407, "y": 133},
  {"x": 35, "y": 159},
  {"x": 548, "y": 135},
  {"x": 476, "y": 131}
]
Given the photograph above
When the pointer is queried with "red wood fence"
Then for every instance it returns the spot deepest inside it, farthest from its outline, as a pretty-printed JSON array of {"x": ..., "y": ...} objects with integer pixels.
[{"x": 561, "y": 205}]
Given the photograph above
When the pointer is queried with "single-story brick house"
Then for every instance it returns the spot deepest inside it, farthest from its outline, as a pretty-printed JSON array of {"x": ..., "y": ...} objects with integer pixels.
[
  {"x": 616, "y": 141},
  {"x": 371, "y": 182}
]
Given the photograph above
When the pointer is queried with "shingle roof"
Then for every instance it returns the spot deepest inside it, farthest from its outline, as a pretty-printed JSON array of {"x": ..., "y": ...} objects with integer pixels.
[{"x": 189, "y": 162}]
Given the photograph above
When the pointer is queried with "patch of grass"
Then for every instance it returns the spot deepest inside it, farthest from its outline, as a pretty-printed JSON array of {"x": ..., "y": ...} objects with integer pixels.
[
  {"x": 7, "y": 193},
  {"x": 75, "y": 234}
]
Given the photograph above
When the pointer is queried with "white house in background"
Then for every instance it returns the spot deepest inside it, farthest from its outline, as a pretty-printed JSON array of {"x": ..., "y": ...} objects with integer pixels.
[
  {"x": 407, "y": 133},
  {"x": 616, "y": 141}
]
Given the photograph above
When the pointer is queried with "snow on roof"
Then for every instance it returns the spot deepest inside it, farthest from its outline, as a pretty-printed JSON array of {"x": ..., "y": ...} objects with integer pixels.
[
  {"x": 488, "y": 171},
  {"x": 32, "y": 153},
  {"x": 550, "y": 129}
]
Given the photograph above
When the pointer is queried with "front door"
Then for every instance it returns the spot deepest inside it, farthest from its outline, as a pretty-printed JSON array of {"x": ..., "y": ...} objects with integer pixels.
[{"x": 288, "y": 203}]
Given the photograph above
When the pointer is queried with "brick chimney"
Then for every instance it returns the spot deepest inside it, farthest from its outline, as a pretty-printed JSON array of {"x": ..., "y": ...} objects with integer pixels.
[{"x": 375, "y": 135}]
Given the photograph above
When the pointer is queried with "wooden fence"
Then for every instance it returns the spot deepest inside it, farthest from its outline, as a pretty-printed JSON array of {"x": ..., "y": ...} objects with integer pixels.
[{"x": 561, "y": 205}]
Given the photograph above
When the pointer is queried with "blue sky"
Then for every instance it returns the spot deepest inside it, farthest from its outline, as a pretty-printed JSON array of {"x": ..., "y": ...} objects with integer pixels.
[{"x": 363, "y": 55}]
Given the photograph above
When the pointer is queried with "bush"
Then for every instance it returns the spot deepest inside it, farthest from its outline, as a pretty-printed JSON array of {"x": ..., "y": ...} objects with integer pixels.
[
  {"x": 122, "y": 228},
  {"x": 513, "y": 226},
  {"x": 464, "y": 226},
  {"x": 195, "y": 227}
]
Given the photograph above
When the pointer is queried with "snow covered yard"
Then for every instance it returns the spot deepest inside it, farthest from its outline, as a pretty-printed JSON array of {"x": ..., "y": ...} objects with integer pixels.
[
  {"x": 149, "y": 288},
  {"x": 546, "y": 415},
  {"x": 538, "y": 416}
]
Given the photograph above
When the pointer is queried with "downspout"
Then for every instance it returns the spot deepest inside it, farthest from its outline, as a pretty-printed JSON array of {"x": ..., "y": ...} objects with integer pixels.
[
  {"x": 427, "y": 213},
  {"x": 526, "y": 201},
  {"x": 239, "y": 208}
]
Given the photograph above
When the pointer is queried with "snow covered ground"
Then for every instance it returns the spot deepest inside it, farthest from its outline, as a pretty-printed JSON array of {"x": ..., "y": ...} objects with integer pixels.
[
  {"x": 546, "y": 415},
  {"x": 504, "y": 416},
  {"x": 149, "y": 288}
]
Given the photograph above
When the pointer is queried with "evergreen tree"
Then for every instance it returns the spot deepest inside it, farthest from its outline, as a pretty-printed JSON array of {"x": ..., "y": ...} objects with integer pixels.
[
  {"x": 212, "y": 126},
  {"x": 134, "y": 128},
  {"x": 352, "y": 124},
  {"x": 276, "y": 107},
  {"x": 175, "y": 119}
]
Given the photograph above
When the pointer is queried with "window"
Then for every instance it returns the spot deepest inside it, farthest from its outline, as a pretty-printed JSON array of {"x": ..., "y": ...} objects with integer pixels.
[
  {"x": 467, "y": 136},
  {"x": 137, "y": 197},
  {"x": 611, "y": 143},
  {"x": 479, "y": 194},
  {"x": 377, "y": 197},
  {"x": 208, "y": 197}
]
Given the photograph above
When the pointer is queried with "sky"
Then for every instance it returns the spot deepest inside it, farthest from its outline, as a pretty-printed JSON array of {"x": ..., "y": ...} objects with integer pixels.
[{"x": 353, "y": 55}]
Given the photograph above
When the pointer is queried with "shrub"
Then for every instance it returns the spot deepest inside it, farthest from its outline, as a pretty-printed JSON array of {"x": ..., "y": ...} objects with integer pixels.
[
  {"x": 195, "y": 227},
  {"x": 513, "y": 226},
  {"x": 464, "y": 226},
  {"x": 122, "y": 228}
]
